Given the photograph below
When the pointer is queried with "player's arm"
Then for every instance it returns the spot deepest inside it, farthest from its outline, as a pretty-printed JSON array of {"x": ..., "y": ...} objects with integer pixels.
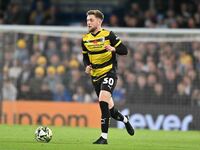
[
  {"x": 116, "y": 45},
  {"x": 86, "y": 60}
]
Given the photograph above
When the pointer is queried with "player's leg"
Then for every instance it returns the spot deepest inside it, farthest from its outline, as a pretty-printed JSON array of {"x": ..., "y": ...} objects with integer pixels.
[
  {"x": 115, "y": 114},
  {"x": 107, "y": 85},
  {"x": 104, "y": 97}
]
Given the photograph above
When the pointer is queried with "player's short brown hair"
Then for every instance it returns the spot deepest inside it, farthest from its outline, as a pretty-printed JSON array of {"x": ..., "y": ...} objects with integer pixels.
[{"x": 96, "y": 13}]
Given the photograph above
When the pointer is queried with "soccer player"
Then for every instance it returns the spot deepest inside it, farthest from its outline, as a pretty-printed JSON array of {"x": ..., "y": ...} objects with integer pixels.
[{"x": 99, "y": 48}]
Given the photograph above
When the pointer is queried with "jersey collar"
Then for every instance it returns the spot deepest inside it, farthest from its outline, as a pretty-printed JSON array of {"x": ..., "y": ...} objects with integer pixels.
[{"x": 97, "y": 33}]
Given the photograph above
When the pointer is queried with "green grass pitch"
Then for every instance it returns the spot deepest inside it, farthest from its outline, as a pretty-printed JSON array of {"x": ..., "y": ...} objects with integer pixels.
[{"x": 64, "y": 138}]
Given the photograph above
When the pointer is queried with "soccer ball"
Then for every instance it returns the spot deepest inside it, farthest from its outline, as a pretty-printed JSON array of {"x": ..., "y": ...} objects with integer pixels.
[{"x": 43, "y": 134}]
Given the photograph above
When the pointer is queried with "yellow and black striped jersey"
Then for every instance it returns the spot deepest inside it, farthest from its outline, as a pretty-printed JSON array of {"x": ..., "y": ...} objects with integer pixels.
[{"x": 101, "y": 60}]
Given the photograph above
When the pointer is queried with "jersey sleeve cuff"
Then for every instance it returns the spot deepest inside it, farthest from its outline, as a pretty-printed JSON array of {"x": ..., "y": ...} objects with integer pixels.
[{"x": 117, "y": 43}]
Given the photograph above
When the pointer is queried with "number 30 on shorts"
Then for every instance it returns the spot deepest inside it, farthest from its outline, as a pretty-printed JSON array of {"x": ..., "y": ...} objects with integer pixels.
[{"x": 109, "y": 81}]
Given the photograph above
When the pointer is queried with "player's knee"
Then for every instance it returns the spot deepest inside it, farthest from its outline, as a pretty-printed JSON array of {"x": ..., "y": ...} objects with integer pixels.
[
  {"x": 111, "y": 103},
  {"x": 104, "y": 96}
]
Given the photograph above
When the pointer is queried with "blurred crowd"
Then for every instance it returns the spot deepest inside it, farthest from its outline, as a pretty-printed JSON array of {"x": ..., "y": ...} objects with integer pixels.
[
  {"x": 126, "y": 13},
  {"x": 45, "y": 68},
  {"x": 50, "y": 68},
  {"x": 158, "y": 14},
  {"x": 39, "y": 67}
]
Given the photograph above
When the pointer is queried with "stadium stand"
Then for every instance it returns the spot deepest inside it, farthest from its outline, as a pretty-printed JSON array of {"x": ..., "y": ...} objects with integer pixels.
[{"x": 48, "y": 68}]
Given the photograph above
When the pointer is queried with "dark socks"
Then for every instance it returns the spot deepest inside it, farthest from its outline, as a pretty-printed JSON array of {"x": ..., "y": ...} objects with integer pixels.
[
  {"x": 105, "y": 116},
  {"x": 115, "y": 114}
]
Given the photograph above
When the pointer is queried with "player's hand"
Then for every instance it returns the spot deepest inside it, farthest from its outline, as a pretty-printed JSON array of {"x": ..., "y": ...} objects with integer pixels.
[
  {"x": 110, "y": 48},
  {"x": 88, "y": 69}
]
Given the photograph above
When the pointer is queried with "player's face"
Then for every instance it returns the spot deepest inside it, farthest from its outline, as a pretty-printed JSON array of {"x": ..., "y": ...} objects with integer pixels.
[{"x": 93, "y": 23}]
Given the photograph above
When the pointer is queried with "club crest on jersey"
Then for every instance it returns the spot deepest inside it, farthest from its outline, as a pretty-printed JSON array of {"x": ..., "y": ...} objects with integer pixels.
[{"x": 95, "y": 42}]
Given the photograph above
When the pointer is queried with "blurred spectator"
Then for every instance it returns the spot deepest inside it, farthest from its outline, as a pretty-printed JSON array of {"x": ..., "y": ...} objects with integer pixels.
[
  {"x": 188, "y": 85},
  {"x": 36, "y": 83},
  {"x": 45, "y": 93},
  {"x": 63, "y": 75},
  {"x": 122, "y": 64},
  {"x": 51, "y": 49},
  {"x": 8, "y": 58},
  {"x": 197, "y": 16},
  {"x": 161, "y": 23},
  {"x": 181, "y": 98},
  {"x": 51, "y": 79},
  {"x": 60, "y": 70},
  {"x": 158, "y": 95},
  {"x": 54, "y": 60},
  {"x": 2, "y": 21},
  {"x": 51, "y": 17},
  {"x": 23, "y": 81},
  {"x": 15, "y": 14},
  {"x": 114, "y": 21},
  {"x": 5, "y": 73},
  {"x": 131, "y": 20},
  {"x": 185, "y": 61},
  {"x": 196, "y": 98},
  {"x": 61, "y": 93},
  {"x": 119, "y": 93},
  {"x": 195, "y": 81},
  {"x": 197, "y": 59},
  {"x": 141, "y": 94},
  {"x": 151, "y": 81},
  {"x": 169, "y": 83},
  {"x": 9, "y": 90},
  {"x": 21, "y": 53},
  {"x": 15, "y": 70},
  {"x": 73, "y": 63},
  {"x": 191, "y": 23},
  {"x": 80, "y": 95},
  {"x": 133, "y": 16},
  {"x": 171, "y": 19},
  {"x": 150, "y": 18},
  {"x": 130, "y": 85},
  {"x": 24, "y": 92},
  {"x": 65, "y": 51},
  {"x": 41, "y": 42},
  {"x": 38, "y": 15},
  {"x": 75, "y": 81},
  {"x": 150, "y": 67},
  {"x": 184, "y": 11},
  {"x": 42, "y": 61}
]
